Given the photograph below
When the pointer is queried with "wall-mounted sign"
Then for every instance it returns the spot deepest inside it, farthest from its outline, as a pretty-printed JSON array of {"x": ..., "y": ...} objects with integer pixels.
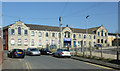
[{"x": 67, "y": 39}]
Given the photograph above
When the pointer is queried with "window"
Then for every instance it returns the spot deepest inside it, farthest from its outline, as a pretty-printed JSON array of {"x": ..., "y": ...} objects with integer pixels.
[
  {"x": 73, "y": 35},
  {"x": 59, "y": 34},
  {"x": 105, "y": 34},
  {"x": 53, "y": 34},
  {"x": 94, "y": 43},
  {"x": 53, "y": 41},
  {"x": 106, "y": 41},
  {"x": 12, "y": 31},
  {"x": 40, "y": 42},
  {"x": 84, "y": 36},
  {"x": 67, "y": 34},
  {"x": 47, "y": 34},
  {"x": 32, "y": 43},
  {"x": 89, "y": 43},
  {"x": 89, "y": 36},
  {"x": 79, "y": 36},
  {"x": 79, "y": 43},
  {"x": 84, "y": 43},
  {"x": 94, "y": 36},
  {"x": 98, "y": 40},
  {"x": 46, "y": 42},
  {"x": 19, "y": 30},
  {"x": 74, "y": 43},
  {"x": 32, "y": 33},
  {"x": 98, "y": 33},
  {"x": 101, "y": 40},
  {"x": 12, "y": 41},
  {"x": 102, "y": 33},
  {"x": 40, "y": 34},
  {"x": 19, "y": 42},
  {"x": 25, "y": 42},
  {"x": 25, "y": 32}
]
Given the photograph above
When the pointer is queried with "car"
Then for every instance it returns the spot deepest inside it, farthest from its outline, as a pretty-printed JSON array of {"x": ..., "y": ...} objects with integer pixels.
[
  {"x": 62, "y": 53},
  {"x": 98, "y": 46},
  {"x": 16, "y": 53},
  {"x": 45, "y": 51},
  {"x": 33, "y": 51}
]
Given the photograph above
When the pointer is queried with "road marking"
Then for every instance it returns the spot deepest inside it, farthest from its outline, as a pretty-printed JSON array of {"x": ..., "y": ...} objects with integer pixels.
[
  {"x": 98, "y": 65},
  {"x": 28, "y": 66}
]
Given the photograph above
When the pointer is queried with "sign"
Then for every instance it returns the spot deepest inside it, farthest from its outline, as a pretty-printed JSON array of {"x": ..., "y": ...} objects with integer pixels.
[{"x": 67, "y": 39}]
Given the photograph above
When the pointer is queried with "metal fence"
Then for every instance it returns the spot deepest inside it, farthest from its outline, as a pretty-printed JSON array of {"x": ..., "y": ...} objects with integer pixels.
[{"x": 101, "y": 52}]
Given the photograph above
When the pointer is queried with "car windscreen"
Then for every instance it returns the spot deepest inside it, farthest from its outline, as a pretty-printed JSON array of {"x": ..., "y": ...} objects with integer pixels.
[
  {"x": 65, "y": 50},
  {"x": 33, "y": 49},
  {"x": 19, "y": 50}
]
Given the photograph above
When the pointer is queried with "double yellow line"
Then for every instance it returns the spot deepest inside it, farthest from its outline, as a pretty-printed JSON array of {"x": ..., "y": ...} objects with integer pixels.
[{"x": 28, "y": 66}]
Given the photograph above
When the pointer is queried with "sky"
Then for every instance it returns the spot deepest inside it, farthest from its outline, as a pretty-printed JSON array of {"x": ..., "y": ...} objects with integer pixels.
[{"x": 72, "y": 14}]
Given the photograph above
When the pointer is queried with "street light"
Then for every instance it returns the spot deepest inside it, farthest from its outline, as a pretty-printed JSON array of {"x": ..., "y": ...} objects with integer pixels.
[{"x": 86, "y": 32}]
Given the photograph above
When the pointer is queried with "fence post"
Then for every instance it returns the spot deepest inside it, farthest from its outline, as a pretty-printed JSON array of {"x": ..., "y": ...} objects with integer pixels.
[
  {"x": 90, "y": 52},
  {"x": 101, "y": 52},
  {"x": 75, "y": 49}
]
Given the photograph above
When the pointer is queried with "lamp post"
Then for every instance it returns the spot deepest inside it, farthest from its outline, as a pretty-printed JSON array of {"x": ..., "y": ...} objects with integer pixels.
[
  {"x": 60, "y": 33},
  {"x": 86, "y": 32}
]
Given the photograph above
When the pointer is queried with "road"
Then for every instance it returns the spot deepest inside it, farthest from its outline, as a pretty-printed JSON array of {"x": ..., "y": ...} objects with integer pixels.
[{"x": 47, "y": 62}]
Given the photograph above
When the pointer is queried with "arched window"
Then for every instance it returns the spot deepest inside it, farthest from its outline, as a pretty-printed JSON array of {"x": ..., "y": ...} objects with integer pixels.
[
  {"x": 19, "y": 30},
  {"x": 98, "y": 33},
  {"x": 102, "y": 33},
  {"x": 67, "y": 34},
  {"x": 94, "y": 36}
]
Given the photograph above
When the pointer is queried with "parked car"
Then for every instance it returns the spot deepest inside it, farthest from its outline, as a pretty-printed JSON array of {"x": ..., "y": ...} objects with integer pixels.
[
  {"x": 33, "y": 51},
  {"x": 45, "y": 51},
  {"x": 98, "y": 45},
  {"x": 16, "y": 53},
  {"x": 62, "y": 53}
]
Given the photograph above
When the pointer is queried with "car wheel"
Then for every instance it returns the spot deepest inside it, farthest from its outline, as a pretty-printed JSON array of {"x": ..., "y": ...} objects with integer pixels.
[
  {"x": 69, "y": 57},
  {"x": 53, "y": 54},
  {"x": 59, "y": 55},
  {"x": 12, "y": 56},
  {"x": 23, "y": 56}
]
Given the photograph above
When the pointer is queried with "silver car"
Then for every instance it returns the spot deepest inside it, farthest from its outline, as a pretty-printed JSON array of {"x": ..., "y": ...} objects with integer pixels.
[
  {"x": 33, "y": 51},
  {"x": 62, "y": 53}
]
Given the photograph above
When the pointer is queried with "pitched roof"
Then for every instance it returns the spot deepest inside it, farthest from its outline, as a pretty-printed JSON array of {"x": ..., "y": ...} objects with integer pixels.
[
  {"x": 54, "y": 28},
  {"x": 6, "y": 27},
  {"x": 42, "y": 27}
]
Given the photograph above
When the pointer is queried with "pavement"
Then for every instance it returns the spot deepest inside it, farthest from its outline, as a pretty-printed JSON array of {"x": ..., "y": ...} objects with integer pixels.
[
  {"x": 98, "y": 62},
  {"x": 47, "y": 62}
]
